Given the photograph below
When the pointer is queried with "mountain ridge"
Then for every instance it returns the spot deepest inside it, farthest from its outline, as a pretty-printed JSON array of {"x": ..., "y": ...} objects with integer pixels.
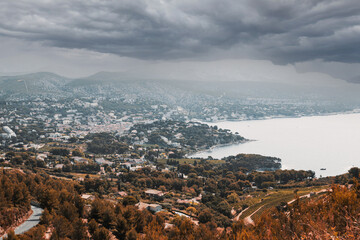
[{"x": 178, "y": 92}]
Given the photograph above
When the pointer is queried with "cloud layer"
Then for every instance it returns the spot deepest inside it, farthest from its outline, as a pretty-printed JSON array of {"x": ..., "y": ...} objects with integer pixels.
[{"x": 282, "y": 31}]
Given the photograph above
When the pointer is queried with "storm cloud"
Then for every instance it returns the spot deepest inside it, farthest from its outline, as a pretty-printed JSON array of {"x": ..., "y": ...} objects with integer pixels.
[{"x": 281, "y": 31}]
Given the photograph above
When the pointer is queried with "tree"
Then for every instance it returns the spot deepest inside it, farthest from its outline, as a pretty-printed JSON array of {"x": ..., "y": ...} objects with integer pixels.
[
  {"x": 17, "y": 160},
  {"x": 121, "y": 226},
  {"x": 46, "y": 218},
  {"x": 49, "y": 199},
  {"x": 60, "y": 151},
  {"x": 96, "y": 209},
  {"x": 129, "y": 200},
  {"x": 69, "y": 211},
  {"x": 101, "y": 234},
  {"x": 93, "y": 226},
  {"x": 62, "y": 227},
  {"x": 77, "y": 153},
  {"x": 354, "y": 172},
  {"x": 9, "y": 155},
  {"x": 233, "y": 198},
  {"x": 186, "y": 229},
  {"x": 131, "y": 235},
  {"x": 224, "y": 208},
  {"x": 155, "y": 231},
  {"x": 191, "y": 210},
  {"x": 35, "y": 233},
  {"x": 73, "y": 140},
  {"x": 11, "y": 236},
  {"x": 108, "y": 217},
  {"x": 79, "y": 232},
  {"x": 205, "y": 216}
]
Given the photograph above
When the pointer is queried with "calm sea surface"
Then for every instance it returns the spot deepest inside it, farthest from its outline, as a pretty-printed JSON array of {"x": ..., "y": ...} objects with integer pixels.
[{"x": 309, "y": 143}]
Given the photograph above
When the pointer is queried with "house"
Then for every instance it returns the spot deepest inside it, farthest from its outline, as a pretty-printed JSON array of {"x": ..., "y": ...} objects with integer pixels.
[
  {"x": 102, "y": 161},
  {"x": 135, "y": 168},
  {"x": 126, "y": 165},
  {"x": 168, "y": 225},
  {"x": 121, "y": 194},
  {"x": 88, "y": 197},
  {"x": 59, "y": 166},
  {"x": 80, "y": 160},
  {"x": 141, "y": 205},
  {"x": 192, "y": 201},
  {"x": 41, "y": 156},
  {"x": 154, "y": 208},
  {"x": 154, "y": 193}
]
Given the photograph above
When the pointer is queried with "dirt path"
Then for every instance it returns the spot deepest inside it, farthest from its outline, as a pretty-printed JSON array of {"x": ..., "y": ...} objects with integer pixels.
[
  {"x": 248, "y": 220},
  {"x": 236, "y": 218},
  {"x": 309, "y": 195}
]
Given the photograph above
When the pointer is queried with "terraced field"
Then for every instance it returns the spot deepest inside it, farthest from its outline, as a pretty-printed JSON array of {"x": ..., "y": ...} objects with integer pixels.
[{"x": 275, "y": 198}]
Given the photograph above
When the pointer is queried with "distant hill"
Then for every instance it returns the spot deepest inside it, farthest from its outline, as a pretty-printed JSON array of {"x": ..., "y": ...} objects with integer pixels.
[
  {"x": 183, "y": 93},
  {"x": 41, "y": 83}
]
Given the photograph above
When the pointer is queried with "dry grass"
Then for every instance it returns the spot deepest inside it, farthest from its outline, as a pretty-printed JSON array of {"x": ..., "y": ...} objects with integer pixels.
[{"x": 274, "y": 198}]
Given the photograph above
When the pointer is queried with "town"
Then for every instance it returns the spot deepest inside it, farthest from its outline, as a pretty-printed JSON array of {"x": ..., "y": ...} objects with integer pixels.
[{"x": 142, "y": 160}]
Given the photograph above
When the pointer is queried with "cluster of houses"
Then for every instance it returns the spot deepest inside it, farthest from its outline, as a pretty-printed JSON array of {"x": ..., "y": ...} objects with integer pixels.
[{"x": 153, "y": 196}]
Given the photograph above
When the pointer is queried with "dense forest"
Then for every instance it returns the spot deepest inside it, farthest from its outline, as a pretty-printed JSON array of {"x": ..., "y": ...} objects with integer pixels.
[
  {"x": 252, "y": 162},
  {"x": 333, "y": 215},
  {"x": 14, "y": 200},
  {"x": 105, "y": 143}
]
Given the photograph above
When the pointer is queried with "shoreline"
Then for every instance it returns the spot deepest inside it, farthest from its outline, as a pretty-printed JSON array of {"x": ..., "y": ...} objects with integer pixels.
[
  {"x": 355, "y": 111},
  {"x": 188, "y": 155},
  {"x": 327, "y": 129}
]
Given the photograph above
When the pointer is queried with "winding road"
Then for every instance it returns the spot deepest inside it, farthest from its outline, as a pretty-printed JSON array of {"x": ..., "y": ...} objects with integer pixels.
[{"x": 31, "y": 222}]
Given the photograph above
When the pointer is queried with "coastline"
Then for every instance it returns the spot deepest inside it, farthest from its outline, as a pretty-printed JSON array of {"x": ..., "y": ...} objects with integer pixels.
[
  {"x": 202, "y": 150},
  {"x": 306, "y": 143},
  {"x": 355, "y": 111}
]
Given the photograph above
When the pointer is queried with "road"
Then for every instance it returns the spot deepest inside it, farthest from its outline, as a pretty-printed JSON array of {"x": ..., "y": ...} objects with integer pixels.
[
  {"x": 309, "y": 195},
  {"x": 239, "y": 215},
  {"x": 31, "y": 222},
  {"x": 249, "y": 221}
]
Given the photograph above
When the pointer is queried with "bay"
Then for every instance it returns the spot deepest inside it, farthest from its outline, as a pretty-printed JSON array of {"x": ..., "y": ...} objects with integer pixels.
[{"x": 308, "y": 143}]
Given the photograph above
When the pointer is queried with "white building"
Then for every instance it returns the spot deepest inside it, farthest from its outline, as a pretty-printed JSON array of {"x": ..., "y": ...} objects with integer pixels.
[{"x": 10, "y": 132}]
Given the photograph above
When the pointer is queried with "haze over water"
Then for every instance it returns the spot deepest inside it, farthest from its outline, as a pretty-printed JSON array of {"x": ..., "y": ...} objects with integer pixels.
[{"x": 308, "y": 143}]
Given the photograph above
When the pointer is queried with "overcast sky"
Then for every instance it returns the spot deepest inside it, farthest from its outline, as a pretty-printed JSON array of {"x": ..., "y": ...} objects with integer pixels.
[{"x": 200, "y": 39}]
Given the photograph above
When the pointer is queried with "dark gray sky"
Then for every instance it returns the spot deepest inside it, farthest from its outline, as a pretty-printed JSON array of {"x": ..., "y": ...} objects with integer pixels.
[{"x": 80, "y": 37}]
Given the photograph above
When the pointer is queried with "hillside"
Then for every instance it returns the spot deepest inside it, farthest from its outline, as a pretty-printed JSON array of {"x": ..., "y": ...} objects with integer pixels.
[
  {"x": 42, "y": 83},
  {"x": 334, "y": 215},
  {"x": 330, "y": 215},
  {"x": 209, "y": 101},
  {"x": 110, "y": 83}
]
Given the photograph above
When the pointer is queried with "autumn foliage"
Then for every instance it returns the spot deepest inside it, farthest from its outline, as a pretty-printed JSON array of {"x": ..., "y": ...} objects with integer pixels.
[{"x": 332, "y": 215}]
